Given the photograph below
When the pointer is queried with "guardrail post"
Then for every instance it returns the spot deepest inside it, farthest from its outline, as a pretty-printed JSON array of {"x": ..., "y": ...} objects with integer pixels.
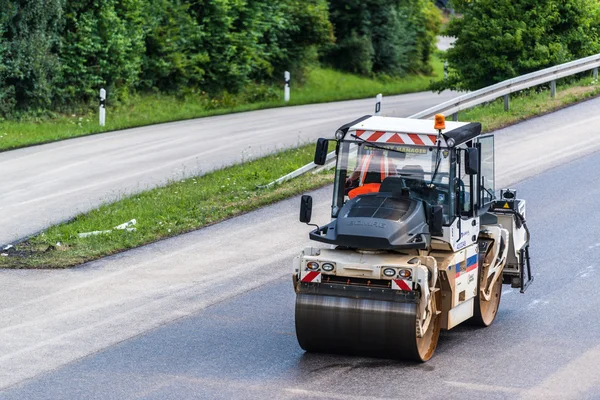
[
  {"x": 553, "y": 89},
  {"x": 455, "y": 116},
  {"x": 506, "y": 102},
  {"x": 595, "y": 73}
]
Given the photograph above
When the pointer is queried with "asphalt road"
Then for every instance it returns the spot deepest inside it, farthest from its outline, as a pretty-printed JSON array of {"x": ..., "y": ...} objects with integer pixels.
[
  {"x": 44, "y": 185},
  {"x": 543, "y": 345},
  {"x": 51, "y": 319}
]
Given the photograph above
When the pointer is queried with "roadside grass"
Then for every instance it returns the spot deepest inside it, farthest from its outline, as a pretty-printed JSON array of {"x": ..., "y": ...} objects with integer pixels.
[
  {"x": 321, "y": 85},
  {"x": 194, "y": 203},
  {"x": 529, "y": 104},
  {"x": 178, "y": 207}
]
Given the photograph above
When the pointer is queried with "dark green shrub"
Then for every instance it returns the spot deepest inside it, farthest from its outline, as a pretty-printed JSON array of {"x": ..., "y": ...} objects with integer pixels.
[
  {"x": 102, "y": 46},
  {"x": 29, "y": 66},
  {"x": 402, "y": 35},
  {"x": 502, "y": 39}
]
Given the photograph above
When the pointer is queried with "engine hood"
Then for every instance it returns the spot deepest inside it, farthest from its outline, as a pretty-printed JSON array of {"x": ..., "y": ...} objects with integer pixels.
[{"x": 379, "y": 221}]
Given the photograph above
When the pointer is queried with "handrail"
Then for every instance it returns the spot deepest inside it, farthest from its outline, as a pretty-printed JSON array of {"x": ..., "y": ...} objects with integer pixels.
[{"x": 481, "y": 96}]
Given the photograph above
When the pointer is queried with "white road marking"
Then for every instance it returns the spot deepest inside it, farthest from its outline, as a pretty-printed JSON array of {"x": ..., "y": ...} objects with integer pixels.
[
  {"x": 594, "y": 246},
  {"x": 572, "y": 381},
  {"x": 328, "y": 395},
  {"x": 484, "y": 388},
  {"x": 586, "y": 272},
  {"x": 537, "y": 302}
]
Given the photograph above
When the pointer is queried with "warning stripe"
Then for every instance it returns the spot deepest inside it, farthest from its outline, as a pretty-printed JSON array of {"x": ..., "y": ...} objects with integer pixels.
[
  {"x": 310, "y": 276},
  {"x": 402, "y": 285},
  {"x": 396, "y": 137},
  {"x": 416, "y": 139}
]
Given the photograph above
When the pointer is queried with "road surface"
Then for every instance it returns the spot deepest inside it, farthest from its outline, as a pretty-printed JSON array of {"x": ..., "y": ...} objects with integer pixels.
[
  {"x": 209, "y": 313},
  {"x": 544, "y": 344}
]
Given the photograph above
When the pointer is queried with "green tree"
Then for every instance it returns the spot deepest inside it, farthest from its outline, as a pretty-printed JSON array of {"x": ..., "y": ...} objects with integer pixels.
[
  {"x": 388, "y": 36},
  {"x": 174, "y": 58},
  {"x": 29, "y": 66},
  {"x": 502, "y": 39},
  {"x": 102, "y": 46},
  {"x": 251, "y": 39}
]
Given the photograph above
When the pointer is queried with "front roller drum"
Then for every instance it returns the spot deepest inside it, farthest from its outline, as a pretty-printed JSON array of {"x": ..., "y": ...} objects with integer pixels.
[{"x": 332, "y": 324}]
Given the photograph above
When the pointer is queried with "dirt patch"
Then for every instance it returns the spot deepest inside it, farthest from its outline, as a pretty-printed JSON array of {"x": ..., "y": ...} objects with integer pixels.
[{"x": 576, "y": 91}]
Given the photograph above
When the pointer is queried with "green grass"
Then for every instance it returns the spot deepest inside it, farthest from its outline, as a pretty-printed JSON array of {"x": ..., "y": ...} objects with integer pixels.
[
  {"x": 190, "y": 204},
  {"x": 322, "y": 85}
]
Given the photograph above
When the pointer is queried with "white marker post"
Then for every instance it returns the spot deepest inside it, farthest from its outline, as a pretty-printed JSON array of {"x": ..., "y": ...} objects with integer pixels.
[
  {"x": 286, "y": 90},
  {"x": 378, "y": 104},
  {"x": 102, "y": 107}
]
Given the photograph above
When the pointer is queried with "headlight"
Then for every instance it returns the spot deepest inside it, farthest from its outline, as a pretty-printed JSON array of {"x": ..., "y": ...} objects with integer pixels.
[
  {"x": 313, "y": 266},
  {"x": 405, "y": 273},
  {"x": 389, "y": 272},
  {"x": 327, "y": 267}
]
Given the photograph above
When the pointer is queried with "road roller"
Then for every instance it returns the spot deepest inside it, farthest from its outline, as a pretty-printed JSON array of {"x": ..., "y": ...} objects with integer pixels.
[{"x": 419, "y": 239}]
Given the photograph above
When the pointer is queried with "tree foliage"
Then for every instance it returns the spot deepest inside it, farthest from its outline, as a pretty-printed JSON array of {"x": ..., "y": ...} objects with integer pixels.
[
  {"x": 29, "y": 44},
  {"x": 501, "y": 39},
  {"x": 389, "y": 36},
  {"x": 102, "y": 46},
  {"x": 56, "y": 54}
]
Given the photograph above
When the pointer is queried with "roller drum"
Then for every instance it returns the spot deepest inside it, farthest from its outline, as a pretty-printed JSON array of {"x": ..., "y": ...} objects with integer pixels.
[{"x": 336, "y": 324}]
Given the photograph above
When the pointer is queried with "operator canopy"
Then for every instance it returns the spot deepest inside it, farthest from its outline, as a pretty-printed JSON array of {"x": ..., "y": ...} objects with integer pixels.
[{"x": 416, "y": 132}]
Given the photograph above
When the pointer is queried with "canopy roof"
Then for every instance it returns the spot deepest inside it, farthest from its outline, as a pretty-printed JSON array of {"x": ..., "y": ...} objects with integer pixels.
[{"x": 418, "y": 132}]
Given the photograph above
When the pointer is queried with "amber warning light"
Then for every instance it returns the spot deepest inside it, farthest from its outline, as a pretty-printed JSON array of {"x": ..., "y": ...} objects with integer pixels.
[{"x": 440, "y": 122}]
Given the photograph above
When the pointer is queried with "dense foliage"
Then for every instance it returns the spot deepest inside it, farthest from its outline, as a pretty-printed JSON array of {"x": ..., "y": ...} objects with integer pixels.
[
  {"x": 29, "y": 46},
  {"x": 501, "y": 39},
  {"x": 389, "y": 36},
  {"x": 56, "y": 54}
]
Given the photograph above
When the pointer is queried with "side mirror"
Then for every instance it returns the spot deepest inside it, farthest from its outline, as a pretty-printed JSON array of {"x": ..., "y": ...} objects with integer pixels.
[
  {"x": 436, "y": 221},
  {"x": 321, "y": 151},
  {"x": 305, "y": 209},
  {"x": 472, "y": 161}
]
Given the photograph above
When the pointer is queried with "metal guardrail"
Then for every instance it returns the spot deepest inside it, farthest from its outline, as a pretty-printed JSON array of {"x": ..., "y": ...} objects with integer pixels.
[
  {"x": 487, "y": 94},
  {"x": 509, "y": 86}
]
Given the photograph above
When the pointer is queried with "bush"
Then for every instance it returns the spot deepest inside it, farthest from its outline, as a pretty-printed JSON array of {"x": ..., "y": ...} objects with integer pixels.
[
  {"x": 102, "y": 46},
  {"x": 397, "y": 36},
  {"x": 29, "y": 65},
  {"x": 502, "y": 39},
  {"x": 174, "y": 59}
]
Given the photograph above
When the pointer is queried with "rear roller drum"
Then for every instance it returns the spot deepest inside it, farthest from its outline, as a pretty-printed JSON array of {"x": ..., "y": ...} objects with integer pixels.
[{"x": 332, "y": 324}]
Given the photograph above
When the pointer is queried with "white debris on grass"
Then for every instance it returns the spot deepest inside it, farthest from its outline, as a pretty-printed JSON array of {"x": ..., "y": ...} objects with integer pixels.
[{"x": 125, "y": 226}]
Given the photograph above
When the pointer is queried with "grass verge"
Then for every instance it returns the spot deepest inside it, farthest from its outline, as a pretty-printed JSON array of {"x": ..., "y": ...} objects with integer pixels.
[
  {"x": 197, "y": 202},
  {"x": 322, "y": 85}
]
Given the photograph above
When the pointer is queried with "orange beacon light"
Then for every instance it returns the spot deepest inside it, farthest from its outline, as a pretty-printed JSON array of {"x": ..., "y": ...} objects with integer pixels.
[{"x": 440, "y": 122}]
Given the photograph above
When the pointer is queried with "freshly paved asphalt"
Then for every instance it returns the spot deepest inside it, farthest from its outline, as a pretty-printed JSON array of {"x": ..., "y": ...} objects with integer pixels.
[
  {"x": 543, "y": 344},
  {"x": 44, "y": 185}
]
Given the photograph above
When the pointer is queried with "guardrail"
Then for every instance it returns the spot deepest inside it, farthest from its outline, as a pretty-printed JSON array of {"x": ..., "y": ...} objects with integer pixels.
[
  {"x": 505, "y": 88},
  {"x": 487, "y": 94}
]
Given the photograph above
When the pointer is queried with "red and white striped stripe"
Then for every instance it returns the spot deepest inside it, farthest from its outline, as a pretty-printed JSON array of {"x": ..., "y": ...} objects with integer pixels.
[
  {"x": 398, "y": 138},
  {"x": 402, "y": 284},
  {"x": 310, "y": 276}
]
